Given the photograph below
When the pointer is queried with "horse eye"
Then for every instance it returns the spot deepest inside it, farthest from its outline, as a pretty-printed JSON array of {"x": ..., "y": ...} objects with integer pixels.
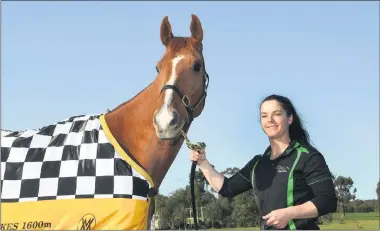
[
  {"x": 197, "y": 67},
  {"x": 157, "y": 70}
]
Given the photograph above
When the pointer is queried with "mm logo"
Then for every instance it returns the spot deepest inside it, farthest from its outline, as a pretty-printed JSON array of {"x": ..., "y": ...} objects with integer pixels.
[{"x": 87, "y": 222}]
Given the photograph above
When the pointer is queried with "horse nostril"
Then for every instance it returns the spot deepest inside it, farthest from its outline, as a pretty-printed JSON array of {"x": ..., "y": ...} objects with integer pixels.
[{"x": 175, "y": 119}]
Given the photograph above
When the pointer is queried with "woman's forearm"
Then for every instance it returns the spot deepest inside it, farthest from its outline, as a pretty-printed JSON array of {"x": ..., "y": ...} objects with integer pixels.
[
  {"x": 303, "y": 211},
  {"x": 214, "y": 178}
]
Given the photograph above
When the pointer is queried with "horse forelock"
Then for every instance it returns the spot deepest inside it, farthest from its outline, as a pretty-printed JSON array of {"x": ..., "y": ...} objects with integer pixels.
[{"x": 183, "y": 44}]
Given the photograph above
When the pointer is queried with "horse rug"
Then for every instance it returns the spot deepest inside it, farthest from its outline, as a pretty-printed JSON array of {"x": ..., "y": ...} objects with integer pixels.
[{"x": 71, "y": 175}]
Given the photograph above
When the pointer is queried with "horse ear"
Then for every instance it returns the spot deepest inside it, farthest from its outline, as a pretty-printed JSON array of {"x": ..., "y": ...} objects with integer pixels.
[
  {"x": 166, "y": 31},
  {"x": 196, "y": 28}
]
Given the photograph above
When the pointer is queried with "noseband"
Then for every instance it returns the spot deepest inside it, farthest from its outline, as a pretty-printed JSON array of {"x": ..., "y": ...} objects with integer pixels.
[{"x": 186, "y": 100}]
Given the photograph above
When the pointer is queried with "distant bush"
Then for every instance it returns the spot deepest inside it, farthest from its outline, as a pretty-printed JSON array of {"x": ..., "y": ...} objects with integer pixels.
[{"x": 326, "y": 219}]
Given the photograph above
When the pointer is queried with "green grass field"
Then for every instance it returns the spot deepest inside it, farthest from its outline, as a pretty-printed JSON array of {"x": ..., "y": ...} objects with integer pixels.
[
  {"x": 368, "y": 221},
  {"x": 352, "y": 221}
]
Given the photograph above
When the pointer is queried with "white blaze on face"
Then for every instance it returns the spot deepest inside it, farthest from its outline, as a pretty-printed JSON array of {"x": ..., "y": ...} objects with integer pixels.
[{"x": 164, "y": 115}]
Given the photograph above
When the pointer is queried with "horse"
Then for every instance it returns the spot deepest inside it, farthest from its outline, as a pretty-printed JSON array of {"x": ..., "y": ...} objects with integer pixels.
[{"x": 102, "y": 171}]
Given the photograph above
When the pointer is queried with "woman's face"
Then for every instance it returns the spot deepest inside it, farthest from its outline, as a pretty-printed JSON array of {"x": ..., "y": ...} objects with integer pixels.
[{"x": 274, "y": 120}]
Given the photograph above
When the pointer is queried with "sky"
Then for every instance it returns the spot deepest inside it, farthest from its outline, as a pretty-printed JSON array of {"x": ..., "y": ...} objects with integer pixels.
[{"x": 68, "y": 58}]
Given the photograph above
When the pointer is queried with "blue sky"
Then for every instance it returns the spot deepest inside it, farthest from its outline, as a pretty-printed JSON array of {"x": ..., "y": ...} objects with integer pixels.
[{"x": 324, "y": 56}]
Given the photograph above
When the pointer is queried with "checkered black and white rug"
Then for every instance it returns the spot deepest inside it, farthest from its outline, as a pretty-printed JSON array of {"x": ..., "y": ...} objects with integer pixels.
[{"x": 70, "y": 159}]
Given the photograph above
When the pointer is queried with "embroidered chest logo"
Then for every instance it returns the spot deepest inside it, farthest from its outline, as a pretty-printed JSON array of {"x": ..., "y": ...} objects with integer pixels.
[{"x": 282, "y": 168}]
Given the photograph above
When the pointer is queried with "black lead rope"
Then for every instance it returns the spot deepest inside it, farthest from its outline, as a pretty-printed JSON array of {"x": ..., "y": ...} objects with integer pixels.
[
  {"x": 192, "y": 176},
  {"x": 198, "y": 146}
]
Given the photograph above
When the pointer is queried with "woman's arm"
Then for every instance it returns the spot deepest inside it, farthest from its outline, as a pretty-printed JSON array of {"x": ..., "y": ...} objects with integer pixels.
[
  {"x": 226, "y": 187},
  {"x": 306, "y": 210},
  {"x": 324, "y": 202},
  {"x": 320, "y": 180},
  {"x": 240, "y": 182},
  {"x": 213, "y": 177},
  {"x": 318, "y": 176}
]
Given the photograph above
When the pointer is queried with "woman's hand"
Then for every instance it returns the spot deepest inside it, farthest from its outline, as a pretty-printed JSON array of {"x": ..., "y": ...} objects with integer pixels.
[
  {"x": 278, "y": 218},
  {"x": 198, "y": 155}
]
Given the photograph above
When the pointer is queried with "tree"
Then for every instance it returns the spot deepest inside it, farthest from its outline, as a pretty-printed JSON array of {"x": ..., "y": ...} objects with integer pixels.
[
  {"x": 213, "y": 212},
  {"x": 179, "y": 215},
  {"x": 344, "y": 191},
  {"x": 227, "y": 208},
  {"x": 162, "y": 213},
  {"x": 200, "y": 180},
  {"x": 173, "y": 210},
  {"x": 230, "y": 171},
  {"x": 245, "y": 210}
]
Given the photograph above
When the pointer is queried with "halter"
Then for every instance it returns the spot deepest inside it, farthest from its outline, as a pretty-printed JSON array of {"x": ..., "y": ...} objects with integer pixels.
[{"x": 186, "y": 100}]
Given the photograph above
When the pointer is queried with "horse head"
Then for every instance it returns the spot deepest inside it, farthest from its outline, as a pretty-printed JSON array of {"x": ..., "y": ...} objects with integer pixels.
[{"x": 183, "y": 80}]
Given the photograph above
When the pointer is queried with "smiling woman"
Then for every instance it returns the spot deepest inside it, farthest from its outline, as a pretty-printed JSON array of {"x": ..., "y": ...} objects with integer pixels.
[
  {"x": 291, "y": 179},
  {"x": 279, "y": 119}
]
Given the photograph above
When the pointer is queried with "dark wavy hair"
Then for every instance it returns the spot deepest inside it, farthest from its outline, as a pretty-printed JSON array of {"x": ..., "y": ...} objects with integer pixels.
[{"x": 296, "y": 128}]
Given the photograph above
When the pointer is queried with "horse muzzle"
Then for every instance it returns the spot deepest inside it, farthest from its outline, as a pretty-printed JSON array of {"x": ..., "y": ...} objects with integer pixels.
[{"x": 168, "y": 124}]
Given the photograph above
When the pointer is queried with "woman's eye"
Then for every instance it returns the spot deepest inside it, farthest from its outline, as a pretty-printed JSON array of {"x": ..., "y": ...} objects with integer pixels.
[{"x": 157, "y": 70}]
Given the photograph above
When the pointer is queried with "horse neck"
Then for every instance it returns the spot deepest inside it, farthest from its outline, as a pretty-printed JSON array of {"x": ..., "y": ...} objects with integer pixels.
[{"x": 131, "y": 125}]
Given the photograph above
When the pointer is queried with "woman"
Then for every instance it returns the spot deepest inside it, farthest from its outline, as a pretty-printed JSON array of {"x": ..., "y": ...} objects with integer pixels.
[{"x": 291, "y": 179}]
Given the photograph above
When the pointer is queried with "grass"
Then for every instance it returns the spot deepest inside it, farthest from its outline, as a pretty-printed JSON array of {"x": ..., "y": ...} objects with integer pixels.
[
  {"x": 352, "y": 225},
  {"x": 352, "y": 221},
  {"x": 365, "y": 221},
  {"x": 359, "y": 216}
]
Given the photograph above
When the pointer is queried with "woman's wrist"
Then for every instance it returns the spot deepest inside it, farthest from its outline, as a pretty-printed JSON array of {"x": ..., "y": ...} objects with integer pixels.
[
  {"x": 292, "y": 212},
  {"x": 204, "y": 164}
]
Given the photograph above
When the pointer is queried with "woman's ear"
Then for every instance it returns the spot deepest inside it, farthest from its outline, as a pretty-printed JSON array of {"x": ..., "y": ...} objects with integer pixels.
[{"x": 290, "y": 119}]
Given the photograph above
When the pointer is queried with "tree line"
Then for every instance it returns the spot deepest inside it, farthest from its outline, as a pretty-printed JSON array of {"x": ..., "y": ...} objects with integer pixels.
[{"x": 174, "y": 211}]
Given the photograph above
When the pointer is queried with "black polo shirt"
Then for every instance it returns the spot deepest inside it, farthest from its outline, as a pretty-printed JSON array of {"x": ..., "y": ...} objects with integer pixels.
[{"x": 298, "y": 175}]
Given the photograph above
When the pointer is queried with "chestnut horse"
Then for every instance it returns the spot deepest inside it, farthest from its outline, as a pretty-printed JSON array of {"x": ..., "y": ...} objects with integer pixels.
[
  {"x": 149, "y": 125},
  {"x": 50, "y": 176}
]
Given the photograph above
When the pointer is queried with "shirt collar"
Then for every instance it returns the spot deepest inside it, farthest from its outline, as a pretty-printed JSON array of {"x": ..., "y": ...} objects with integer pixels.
[{"x": 292, "y": 145}]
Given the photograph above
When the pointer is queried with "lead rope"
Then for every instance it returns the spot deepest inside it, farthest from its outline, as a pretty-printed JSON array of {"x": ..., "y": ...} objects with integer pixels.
[{"x": 199, "y": 145}]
